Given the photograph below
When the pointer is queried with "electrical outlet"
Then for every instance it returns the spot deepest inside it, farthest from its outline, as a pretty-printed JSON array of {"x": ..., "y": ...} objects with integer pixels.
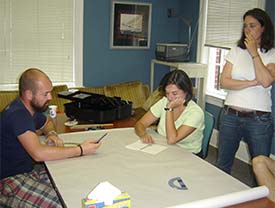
[{"x": 171, "y": 12}]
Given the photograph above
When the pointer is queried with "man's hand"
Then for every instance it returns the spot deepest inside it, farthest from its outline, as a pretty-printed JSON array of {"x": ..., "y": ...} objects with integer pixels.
[
  {"x": 52, "y": 139},
  {"x": 89, "y": 147}
]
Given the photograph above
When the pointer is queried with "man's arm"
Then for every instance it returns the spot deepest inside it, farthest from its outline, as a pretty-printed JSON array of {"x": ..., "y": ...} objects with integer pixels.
[
  {"x": 48, "y": 127},
  {"x": 40, "y": 152},
  {"x": 51, "y": 136}
]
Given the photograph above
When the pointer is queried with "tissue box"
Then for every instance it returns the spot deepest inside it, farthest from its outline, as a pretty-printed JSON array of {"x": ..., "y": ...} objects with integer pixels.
[{"x": 121, "y": 201}]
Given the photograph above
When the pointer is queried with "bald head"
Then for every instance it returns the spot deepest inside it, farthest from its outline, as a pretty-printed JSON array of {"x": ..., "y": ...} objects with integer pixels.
[{"x": 30, "y": 79}]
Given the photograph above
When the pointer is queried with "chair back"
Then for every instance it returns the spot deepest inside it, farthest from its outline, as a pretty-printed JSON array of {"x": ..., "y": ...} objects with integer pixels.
[{"x": 207, "y": 133}]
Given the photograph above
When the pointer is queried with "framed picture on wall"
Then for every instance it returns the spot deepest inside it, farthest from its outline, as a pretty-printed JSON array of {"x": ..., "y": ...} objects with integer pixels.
[{"x": 130, "y": 25}]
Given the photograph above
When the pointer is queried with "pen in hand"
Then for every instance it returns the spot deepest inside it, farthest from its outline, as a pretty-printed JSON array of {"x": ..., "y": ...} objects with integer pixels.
[{"x": 101, "y": 137}]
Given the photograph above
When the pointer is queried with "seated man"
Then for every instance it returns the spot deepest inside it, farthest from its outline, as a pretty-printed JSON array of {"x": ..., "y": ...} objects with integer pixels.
[
  {"x": 23, "y": 184},
  {"x": 264, "y": 170}
]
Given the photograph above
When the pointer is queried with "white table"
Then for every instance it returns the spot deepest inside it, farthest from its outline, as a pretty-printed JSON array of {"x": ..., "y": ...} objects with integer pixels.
[
  {"x": 193, "y": 70},
  {"x": 143, "y": 176}
]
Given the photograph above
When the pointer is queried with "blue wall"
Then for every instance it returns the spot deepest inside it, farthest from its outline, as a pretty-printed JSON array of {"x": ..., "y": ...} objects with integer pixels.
[{"x": 103, "y": 65}]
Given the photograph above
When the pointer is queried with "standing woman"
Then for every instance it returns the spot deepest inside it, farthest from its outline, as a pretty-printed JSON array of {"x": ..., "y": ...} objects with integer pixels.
[{"x": 248, "y": 75}]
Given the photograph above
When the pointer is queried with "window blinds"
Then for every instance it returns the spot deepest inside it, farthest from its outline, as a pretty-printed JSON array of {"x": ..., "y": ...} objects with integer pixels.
[
  {"x": 224, "y": 21},
  {"x": 36, "y": 33}
]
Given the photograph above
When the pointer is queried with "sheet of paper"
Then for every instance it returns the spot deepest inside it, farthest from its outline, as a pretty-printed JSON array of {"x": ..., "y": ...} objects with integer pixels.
[
  {"x": 148, "y": 148},
  {"x": 154, "y": 149},
  {"x": 138, "y": 145}
]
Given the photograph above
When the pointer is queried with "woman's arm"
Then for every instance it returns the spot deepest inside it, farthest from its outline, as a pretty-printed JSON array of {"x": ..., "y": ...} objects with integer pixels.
[
  {"x": 265, "y": 75},
  {"x": 142, "y": 124},
  {"x": 174, "y": 135},
  {"x": 232, "y": 84}
]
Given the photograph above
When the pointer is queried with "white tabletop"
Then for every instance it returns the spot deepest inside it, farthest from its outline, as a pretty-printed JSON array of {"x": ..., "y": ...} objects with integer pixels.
[{"x": 142, "y": 175}]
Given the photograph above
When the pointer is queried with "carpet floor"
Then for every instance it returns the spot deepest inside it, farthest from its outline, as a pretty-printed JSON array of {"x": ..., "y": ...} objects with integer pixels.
[{"x": 240, "y": 170}]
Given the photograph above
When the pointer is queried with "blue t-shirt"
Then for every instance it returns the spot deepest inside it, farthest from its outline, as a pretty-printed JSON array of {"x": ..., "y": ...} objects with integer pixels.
[{"x": 16, "y": 120}]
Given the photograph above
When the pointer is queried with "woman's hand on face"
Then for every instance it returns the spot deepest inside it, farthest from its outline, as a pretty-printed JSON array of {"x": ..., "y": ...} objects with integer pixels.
[
  {"x": 251, "y": 44},
  {"x": 176, "y": 103}
]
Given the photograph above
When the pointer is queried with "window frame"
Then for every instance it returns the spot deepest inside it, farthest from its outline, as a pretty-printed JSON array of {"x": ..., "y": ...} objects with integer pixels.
[{"x": 78, "y": 43}]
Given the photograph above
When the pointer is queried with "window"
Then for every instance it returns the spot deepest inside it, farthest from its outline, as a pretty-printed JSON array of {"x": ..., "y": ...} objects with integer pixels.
[
  {"x": 219, "y": 30},
  {"x": 215, "y": 66},
  {"x": 42, "y": 34}
]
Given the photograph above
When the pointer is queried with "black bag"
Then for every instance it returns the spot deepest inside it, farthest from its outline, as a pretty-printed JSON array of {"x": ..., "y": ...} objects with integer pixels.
[{"x": 94, "y": 107}]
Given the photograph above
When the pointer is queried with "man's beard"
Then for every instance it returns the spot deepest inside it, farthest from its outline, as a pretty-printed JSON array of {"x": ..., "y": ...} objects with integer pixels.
[{"x": 38, "y": 108}]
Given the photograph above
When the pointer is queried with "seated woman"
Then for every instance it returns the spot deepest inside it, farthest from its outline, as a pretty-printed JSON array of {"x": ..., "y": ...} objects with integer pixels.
[
  {"x": 264, "y": 170},
  {"x": 181, "y": 120}
]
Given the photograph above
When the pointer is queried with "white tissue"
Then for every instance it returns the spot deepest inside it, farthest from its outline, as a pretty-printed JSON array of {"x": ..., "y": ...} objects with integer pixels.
[{"x": 104, "y": 191}]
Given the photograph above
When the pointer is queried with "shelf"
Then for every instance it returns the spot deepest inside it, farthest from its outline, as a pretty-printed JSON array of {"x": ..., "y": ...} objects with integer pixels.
[{"x": 194, "y": 70}]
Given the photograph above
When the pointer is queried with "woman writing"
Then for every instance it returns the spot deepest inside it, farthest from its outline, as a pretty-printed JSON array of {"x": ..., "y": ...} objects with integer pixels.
[{"x": 181, "y": 120}]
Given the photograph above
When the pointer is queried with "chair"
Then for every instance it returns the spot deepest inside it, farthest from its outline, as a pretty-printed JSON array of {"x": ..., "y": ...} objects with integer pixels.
[{"x": 207, "y": 133}]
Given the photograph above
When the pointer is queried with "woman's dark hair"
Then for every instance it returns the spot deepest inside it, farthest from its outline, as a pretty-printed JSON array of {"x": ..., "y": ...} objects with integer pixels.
[
  {"x": 267, "y": 38},
  {"x": 181, "y": 80}
]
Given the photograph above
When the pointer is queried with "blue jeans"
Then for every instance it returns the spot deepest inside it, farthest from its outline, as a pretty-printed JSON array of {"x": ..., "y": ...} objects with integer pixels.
[{"x": 257, "y": 132}]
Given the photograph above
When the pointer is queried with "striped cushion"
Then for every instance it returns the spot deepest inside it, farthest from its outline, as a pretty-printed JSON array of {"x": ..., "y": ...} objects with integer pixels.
[
  {"x": 153, "y": 98},
  {"x": 6, "y": 97},
  {"x": 97, "y": 90},
  {"x": 131, "y": 91}
]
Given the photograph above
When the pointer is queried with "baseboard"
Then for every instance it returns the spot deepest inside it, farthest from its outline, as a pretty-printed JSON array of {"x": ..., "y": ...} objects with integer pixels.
[{"x": 242, "y": 153}]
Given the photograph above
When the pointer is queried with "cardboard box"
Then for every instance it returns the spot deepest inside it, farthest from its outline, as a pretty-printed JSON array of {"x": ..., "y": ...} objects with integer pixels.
[{"x": 121, "y": 201}]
